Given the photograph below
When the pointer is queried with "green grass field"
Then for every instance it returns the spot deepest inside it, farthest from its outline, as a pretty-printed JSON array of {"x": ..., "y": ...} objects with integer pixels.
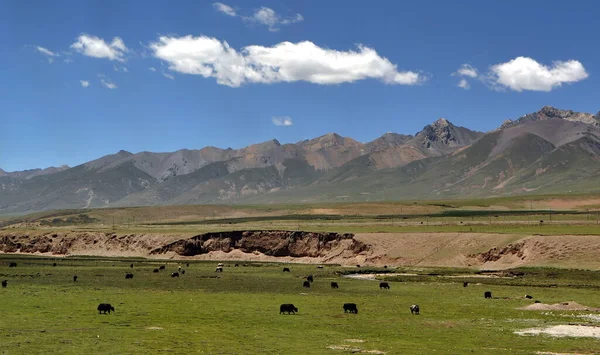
[{"x": 44, "y": 311}]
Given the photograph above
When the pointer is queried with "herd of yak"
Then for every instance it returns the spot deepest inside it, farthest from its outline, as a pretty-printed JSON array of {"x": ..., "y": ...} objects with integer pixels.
[{"x": 104, "y": 308}]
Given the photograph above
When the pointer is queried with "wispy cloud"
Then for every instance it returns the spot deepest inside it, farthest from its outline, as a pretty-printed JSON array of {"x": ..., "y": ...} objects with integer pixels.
[
  {"x": 282, "y": 121},
  {"x": 523, "y": 73},
  {"x": 264, "y": 16},
  {"x": 152, "y": 68},
  {"x": 466, "y": 70},
  {"x": 121, "y": 69},
  {"x": 226, "y": 9},
  {"x": 268, "y": 17},
  {"x": 48, "y": 53},
  {"x": 84, "y": 83},
  {"x": 169, "y": 76},
  {"x": 106, "y": 82},
  {"x": 96, "y": 47},
  {"x": 284, "y": 62}
]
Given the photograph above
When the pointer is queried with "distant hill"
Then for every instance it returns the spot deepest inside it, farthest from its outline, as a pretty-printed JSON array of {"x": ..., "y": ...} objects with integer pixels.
[{"x": 547, "y": 151}]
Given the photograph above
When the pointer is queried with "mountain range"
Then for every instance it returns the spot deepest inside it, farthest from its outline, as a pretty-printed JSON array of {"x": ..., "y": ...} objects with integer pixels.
[{"x": 549, "y": 151}]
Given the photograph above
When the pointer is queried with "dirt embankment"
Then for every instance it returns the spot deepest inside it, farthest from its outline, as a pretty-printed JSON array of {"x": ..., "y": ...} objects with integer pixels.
[
  {"x": 477, "y": 250},
  {"x": 236, "y": 245}
]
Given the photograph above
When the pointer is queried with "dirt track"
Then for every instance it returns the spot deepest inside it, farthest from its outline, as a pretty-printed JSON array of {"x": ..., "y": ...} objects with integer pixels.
[{"x": 478, "y": 250}]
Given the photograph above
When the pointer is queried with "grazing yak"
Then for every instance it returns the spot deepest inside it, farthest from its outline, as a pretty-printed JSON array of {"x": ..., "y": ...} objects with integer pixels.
[
  {"x": 131, "y": 266},
  {"x": 286, "y": 269},
  {"x": 54, "y": 264},
  {"x": 105, "y": 307},
  {"x": 12, "y": 265},
  {"x": 465, "y": 283},
  {"x": 182, "y": 272},
  {"x": 75, "y": 278},
  {"x": 350, "y": 308},
  {"x": 219, "y": 269},
  {"x": 287, "y": 307},
  {"x": 487, "y": 294},
  {"x": 4, "y": 283},
  {"x": 174, "y": 274},
  {"x": 384, "y": 285},
  {"x": 334, "y": 285},
  {"x": 128, "y": 276},
  {"x": 155, "y": 270},
  {"x": 320, "y": 267},
  {"x": 162, "y": 267},
  {"x": 310, "y": 278},
  {"x": 529, "y": 297},
  {"x": 306, "y": 284},
  {"x": 414, "y": 309},
  {"x": 187, "y": 265}
]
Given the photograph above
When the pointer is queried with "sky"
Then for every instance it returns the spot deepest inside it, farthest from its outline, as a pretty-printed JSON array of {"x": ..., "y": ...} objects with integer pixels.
[{"x": 83, "y": 79}]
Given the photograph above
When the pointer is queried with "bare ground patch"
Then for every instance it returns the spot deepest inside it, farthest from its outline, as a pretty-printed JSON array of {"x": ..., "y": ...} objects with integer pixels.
[{"x": 566, "y": 330}]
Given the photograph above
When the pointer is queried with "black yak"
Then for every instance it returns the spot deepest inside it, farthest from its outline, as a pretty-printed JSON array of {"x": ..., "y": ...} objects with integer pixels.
[
  {"x": 105, "y": 307},
  {"x": 287, "y": 307},
  {"x": 350, "y": 308}
]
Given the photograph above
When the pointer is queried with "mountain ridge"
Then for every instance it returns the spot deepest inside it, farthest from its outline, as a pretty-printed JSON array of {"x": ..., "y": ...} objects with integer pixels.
[{"x": 441, "y": 160}]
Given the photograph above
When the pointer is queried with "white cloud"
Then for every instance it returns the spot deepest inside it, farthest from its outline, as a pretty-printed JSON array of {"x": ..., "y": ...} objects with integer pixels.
[
  {"x": 84, "y": 83},
  {"x": 523, "y": 73},
  {"x": 226, "y": 9},
  {"x": 120, "y": 69},
  {"x": 464, "y": 84},
  {"x": 168, "y": 76},
  {"x": 282, "y": 121},
  {"x": 92, "y": 46},
  {"x": 297, "y": 18},
  {"x": 106, "y": 82},
  {"x": 284, "y": 62},
  {"x": 268, "y": 17},
  {"x": 48, "y": 53},
  {"x": 152, "y": 68},
  {"x": 466, "y": 70}
]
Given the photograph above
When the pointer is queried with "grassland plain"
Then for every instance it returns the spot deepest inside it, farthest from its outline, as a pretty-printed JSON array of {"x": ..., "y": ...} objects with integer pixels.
[{"x": 44, "y": 311}]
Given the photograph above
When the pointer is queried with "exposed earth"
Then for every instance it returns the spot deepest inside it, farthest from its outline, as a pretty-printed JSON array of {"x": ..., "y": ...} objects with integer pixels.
[{"x": 476, "y": 250}]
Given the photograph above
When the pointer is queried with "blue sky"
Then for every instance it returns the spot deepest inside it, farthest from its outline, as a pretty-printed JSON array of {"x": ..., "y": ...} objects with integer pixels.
[{"x": 204, "y": 73}]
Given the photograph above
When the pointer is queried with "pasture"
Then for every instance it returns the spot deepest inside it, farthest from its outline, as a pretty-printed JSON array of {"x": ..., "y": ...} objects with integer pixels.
[{"x": 237, "y": 311}]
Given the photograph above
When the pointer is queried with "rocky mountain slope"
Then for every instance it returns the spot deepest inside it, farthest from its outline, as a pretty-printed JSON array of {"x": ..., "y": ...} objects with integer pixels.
[{"x": 550, "y": 150}]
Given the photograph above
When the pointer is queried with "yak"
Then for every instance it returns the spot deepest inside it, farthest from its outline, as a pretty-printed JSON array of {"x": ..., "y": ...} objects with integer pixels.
[
  {"x": 487, "y": 294},
  {"x": 334, "y": 285},
  {"x": 287, "y": 307},
  {"x": 414, "y": 309},
  {"x": 174, "y": 274},
  {"x": 4, "y": 283},
  {"x": 128, "y": 276},
  {"x": 105, "y": 307},
  {"x": 350, "y": 308},
  {"x": 286, "y": 269},
  {"x": 306, "y": 284},
  {"x": 384, "y": 285}
]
